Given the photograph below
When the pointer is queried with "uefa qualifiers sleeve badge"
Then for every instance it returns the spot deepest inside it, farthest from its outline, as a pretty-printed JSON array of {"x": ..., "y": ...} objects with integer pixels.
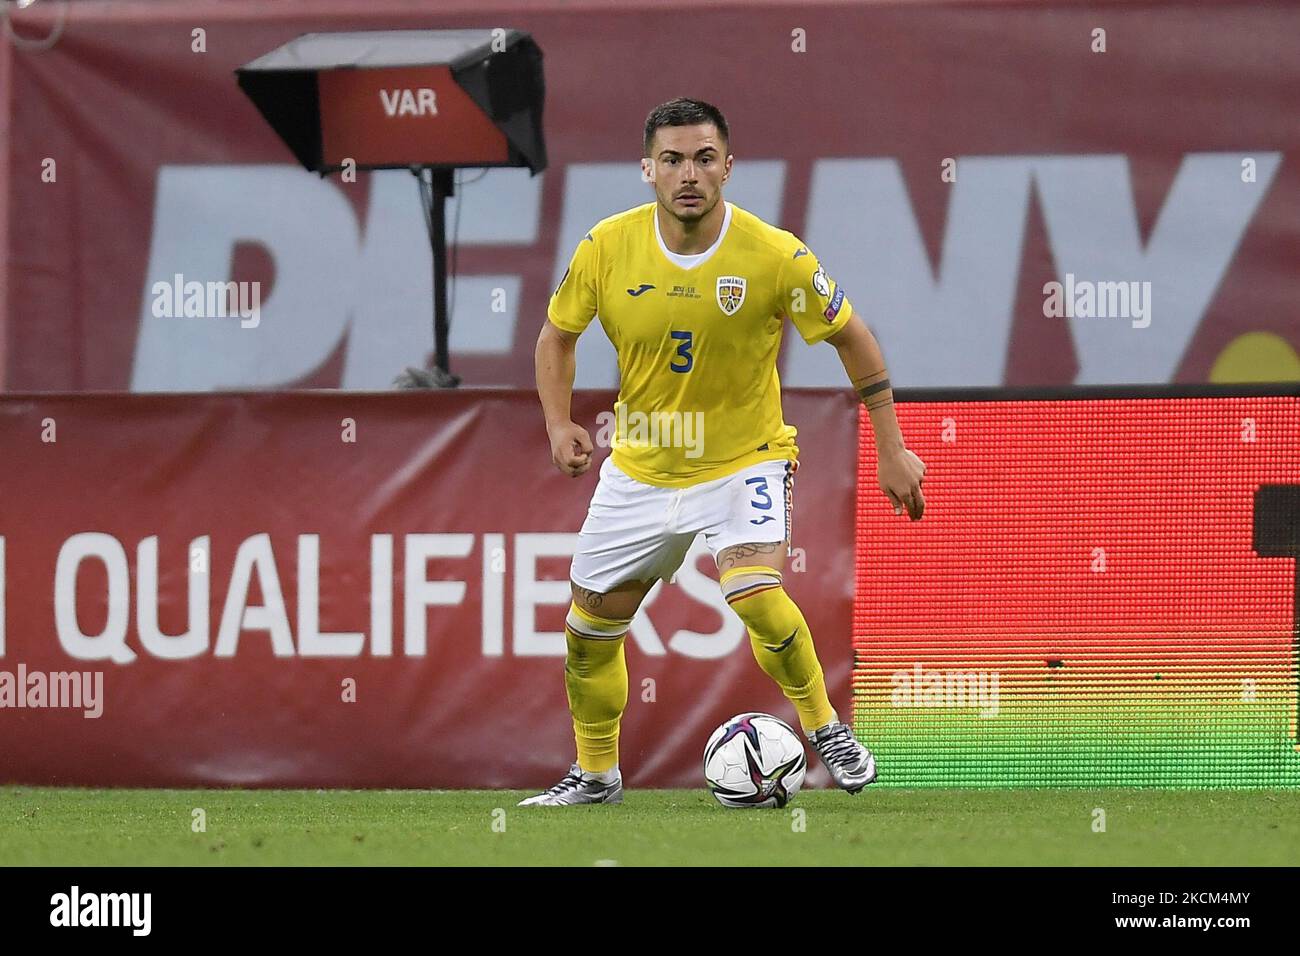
[
  {"x": 731, "y": 294},
  {"x": 833, "y": 309}
]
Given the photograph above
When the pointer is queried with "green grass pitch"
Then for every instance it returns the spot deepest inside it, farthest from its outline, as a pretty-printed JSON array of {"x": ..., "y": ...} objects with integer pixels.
[{"x": 73, "y": 827}]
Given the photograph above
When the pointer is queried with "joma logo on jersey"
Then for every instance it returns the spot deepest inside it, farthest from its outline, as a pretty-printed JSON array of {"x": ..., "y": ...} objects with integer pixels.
[
  {"x": 422, "y": 102},
  {"x": 731, "y": 294}
]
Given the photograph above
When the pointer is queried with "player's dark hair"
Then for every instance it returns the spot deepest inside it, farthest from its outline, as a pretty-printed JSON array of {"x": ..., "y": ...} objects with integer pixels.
[{"x": 684, "y": 112}]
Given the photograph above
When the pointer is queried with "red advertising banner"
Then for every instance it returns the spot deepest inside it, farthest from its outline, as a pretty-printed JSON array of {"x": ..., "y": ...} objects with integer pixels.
[
  {"x": 1050, "y": 193},
  {"x": 321, "y": 589}
]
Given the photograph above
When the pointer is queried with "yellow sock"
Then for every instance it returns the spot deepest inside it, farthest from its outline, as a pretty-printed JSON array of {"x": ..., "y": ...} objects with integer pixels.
[
  {"x": 781, "y": 641},
  {"x": 595, "y": 678}
]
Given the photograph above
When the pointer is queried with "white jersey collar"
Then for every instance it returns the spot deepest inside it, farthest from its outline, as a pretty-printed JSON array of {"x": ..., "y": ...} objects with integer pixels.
[{"x": 698, "y": 258}]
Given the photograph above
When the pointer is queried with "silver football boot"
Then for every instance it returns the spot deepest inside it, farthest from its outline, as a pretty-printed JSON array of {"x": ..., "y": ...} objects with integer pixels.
[
  {"x": 851, "y": 765},
  {"x": 578, "y": 787}
]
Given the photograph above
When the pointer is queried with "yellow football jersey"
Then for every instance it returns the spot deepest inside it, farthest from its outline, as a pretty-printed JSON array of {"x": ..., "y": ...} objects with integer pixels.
[{"x": 697, "y": 339}]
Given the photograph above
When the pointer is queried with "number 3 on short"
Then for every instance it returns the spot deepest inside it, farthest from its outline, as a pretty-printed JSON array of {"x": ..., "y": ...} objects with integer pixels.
[
  {"x": 760, "y": 492},
  {"x": 683, "y": 351}
]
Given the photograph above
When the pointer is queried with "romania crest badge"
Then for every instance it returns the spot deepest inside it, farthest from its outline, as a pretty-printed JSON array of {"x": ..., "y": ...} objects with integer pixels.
[{"x": 731, "y": 294}]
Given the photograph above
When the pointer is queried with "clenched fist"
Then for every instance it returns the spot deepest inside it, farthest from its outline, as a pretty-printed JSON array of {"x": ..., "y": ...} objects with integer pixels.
[{"x": 570, "y": 448}]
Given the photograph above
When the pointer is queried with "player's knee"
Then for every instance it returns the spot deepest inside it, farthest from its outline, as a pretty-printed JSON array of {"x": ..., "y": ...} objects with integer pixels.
[{"x": 620, "y": 603}]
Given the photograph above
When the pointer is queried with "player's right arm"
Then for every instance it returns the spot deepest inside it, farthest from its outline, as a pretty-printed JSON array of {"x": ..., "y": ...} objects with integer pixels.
[
  {"x": 555, "y": 361},
  {"x": 572, "y": 307}
]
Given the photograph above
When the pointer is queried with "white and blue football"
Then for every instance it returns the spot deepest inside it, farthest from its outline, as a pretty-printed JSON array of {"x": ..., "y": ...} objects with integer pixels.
[{"x": 754, "y": 760}]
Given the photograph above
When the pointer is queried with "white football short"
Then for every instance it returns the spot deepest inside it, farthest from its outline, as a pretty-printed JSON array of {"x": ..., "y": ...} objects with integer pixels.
[{"x": 638, "y": 532}]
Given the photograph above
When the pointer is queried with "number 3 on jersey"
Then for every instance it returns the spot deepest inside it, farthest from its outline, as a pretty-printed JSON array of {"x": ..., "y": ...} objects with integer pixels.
[{"x": 683, "y": 352}]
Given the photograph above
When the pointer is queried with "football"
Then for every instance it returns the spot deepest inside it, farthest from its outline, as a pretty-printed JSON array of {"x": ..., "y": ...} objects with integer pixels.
[{"x": 754, "y": 760}]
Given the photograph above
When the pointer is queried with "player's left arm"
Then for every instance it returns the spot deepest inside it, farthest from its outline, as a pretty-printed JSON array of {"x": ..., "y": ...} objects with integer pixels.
[
  {"x": 900, "y": 472},
  {"x": 819, "y": 309}
]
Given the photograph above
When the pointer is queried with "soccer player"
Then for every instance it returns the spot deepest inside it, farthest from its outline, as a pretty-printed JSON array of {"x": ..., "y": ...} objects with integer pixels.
[{"x": 693, "y": 292}]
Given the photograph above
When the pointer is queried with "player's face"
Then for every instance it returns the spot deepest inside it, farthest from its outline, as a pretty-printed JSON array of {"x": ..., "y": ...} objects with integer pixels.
[{"x": 688, "y": 165}]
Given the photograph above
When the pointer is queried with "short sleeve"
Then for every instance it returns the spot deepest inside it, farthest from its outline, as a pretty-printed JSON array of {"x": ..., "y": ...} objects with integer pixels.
[
  {"x": 573, "y": 303},
  {"x": 815, "y": 303}
]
